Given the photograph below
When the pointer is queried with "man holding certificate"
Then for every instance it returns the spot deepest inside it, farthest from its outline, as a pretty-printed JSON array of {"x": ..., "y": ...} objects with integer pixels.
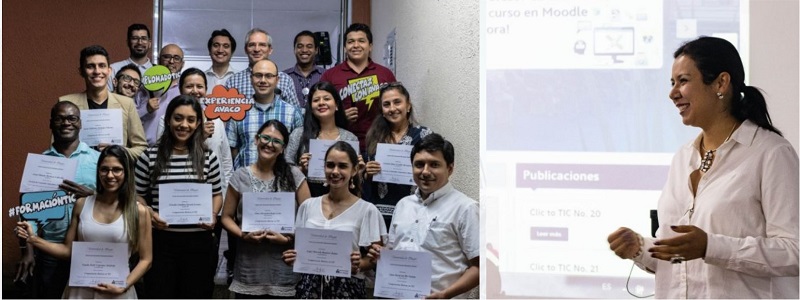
[
  {"x": 437, "y": 219},
  {"x": 50, "y": 273}
]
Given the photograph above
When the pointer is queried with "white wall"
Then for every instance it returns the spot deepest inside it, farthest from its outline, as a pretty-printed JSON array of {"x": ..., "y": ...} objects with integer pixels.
[
  {"x": 774, "y": 32},
  {"x": 437, "y": 60}
]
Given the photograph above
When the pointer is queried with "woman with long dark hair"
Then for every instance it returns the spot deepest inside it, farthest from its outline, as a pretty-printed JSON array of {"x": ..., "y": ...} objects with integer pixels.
[
  {"x": 259, "y": 271},
  {"x": 395, "y": 125},
  {"x": 182, "y": 254},
  {"x": 340, "y": 209},
  {"x": 728, "y": 212},
  {"x": 324, "y": 119},
  {"x": 112, "y": 215}
]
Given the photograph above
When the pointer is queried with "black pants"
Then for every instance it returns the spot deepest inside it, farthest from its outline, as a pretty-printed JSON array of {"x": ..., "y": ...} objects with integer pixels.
[
  {"x": 181, "y": 265},
  {"x": 50, "y": 275}
]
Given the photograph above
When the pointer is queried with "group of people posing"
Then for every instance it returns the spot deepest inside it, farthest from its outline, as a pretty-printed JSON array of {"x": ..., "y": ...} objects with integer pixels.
[{"x": 167, "y": 139}]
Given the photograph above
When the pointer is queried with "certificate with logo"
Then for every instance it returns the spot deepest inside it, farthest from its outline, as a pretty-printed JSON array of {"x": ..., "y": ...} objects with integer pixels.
[
  {"x": 395, "y": 163},
  {"x": 101, "y": 126},
  {"x": 268, "y": 211},
  {"x": 403, "y": 274},
  {"x": 93, "y": 263},
  {"x": 317, "y": 148},
  {"x": 45, "y": 172},
  {"x": 185, "y": 203},
  {"x": 323, "y": 252}
]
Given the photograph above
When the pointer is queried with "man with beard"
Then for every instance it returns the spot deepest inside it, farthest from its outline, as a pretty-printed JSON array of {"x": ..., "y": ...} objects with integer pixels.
[
  {"x": 127, "y": 81},
  {"x": 304, "y": 73},
  {"x": 138, "y": 45},
  {"x": 50, "y": 274},
  {"x": 95, "y": 72}
]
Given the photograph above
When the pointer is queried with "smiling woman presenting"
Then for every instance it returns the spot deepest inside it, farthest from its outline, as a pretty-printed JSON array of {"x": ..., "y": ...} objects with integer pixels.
[{"x": 728, "y": 213}]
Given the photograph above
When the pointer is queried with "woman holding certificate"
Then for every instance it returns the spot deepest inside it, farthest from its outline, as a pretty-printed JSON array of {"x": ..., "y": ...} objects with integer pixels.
[
  {"x": 113, "y": 216},
  {"x": 340, "y": 209},
  {"x": 259, "y": 271},
  {"x": 179, "y": 179},
  {"x": 728, "y": 211},
  {"x": 395, "y": 125},
  {"x": 324, "y": 120}
]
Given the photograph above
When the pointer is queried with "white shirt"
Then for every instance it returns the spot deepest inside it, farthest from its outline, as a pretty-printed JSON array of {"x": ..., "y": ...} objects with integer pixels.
[
  {"x": 362, "y": 219},
  {"x": 446, "y": 224},
  {"x": 747, "y": 203},
  {"x": 214, "y": 80}
]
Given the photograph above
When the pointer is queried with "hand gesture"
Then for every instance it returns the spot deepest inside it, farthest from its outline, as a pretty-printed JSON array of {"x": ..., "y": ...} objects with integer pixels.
[
  {"x": 690, "y": 245},
  {"x": 373, "y": 167},
  {"x": 108, "y": 288},
  {"x": 289, "y": 256},
  {"x": 208, "y": 128},
  {"x": 355, "y": 259},
  {"x": 351, "y": 114},
  {"x": 80, "y": 191},
  {"x": 152, "y": 105},
  {"x": 157, "y": 221},
  {"x": 276, "y": 237},
  {"x": 374, "y": 252},
  {"x": 624, "y": 242},
  {"x": 304, "y": 162},
  {"x": 254, "y": 237}
]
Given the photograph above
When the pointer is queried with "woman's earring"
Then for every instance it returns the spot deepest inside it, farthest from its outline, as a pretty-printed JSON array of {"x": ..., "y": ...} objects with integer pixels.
[
  {"x": 325, "y": 184},
  {"x": 719, "y": 95},
  {"x": 352, "y": 186}
]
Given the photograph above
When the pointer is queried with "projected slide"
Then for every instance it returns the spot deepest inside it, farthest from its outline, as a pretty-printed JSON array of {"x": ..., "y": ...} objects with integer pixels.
[{"x": 577, "y": 134}]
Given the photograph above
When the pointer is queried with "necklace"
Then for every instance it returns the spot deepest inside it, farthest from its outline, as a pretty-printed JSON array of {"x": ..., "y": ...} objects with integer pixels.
[
  {"x": 708, "y": 156},
  {"x": 335, "y": 207}
]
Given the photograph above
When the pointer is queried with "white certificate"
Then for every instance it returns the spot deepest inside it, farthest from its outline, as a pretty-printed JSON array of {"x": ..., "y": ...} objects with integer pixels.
[
  {"x": 403, "y": 274},
  {"x": 101, "y": 126},
  {"x": 323, "y": 252},
  {"x": 317, "y": 149},
  {"x": 185, "y": 203},
  {"x": 95, "y": 262},
  {"x": 268, "y": 211},
  {"x": 45, "y": 172},
  {"x": 395, "y": 163}
]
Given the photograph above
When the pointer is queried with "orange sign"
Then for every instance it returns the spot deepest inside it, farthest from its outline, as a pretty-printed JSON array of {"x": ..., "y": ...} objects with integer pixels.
[{"x": 226, "y": 104}]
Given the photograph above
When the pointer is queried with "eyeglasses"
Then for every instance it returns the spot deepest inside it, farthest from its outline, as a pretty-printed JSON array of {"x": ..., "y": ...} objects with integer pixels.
[
  {"x": 58, "y": 120},
  {"x": 267, "y": 76},
  {"x": 173, "y": 58},
  {"x": 126, "y": 78},
  {"x": 116, "y": 171},
  {"x": 390, "y": 85},
  {"x": 141, "y": 39},
  {"x": 265, "y": 139}
]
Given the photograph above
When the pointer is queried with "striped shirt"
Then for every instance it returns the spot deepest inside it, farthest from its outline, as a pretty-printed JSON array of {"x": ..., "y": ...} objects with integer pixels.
[
  {"x": 179, "y": 170},
  {"x": 242, "y": 134},
  {"x": 241, "y": 81}
]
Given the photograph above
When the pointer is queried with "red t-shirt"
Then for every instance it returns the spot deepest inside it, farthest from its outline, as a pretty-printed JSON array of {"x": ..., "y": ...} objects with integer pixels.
[{"x": 360, "y": 90}]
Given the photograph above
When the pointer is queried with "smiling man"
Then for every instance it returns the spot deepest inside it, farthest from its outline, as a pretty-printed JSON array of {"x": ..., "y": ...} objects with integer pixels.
[
  {"x": 440, "y": 220},
  {"x": 152, "y": 111},
  {"x": 49, "y": 273},
  {"x": 221, "y": 47},
  {"x": 95, "y": 71},
  {"x": 127, "y": 81},
  {"x": 268, "y": 106},
  {"x": 258, "y": 46},
  {"x": 139, "y": 46},
  {"x": 304, "y": 73},
  {"x": 358, "y": 81}
]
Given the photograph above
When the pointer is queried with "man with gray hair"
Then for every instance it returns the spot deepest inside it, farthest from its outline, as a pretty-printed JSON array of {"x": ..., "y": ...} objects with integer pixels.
[{"x": 258, "y": 46}]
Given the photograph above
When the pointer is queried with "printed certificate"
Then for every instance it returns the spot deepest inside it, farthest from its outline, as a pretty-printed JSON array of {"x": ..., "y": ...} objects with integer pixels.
[
  {"x": 403, "y": 274},
  {"x": 395, "y": 163},
  {"x": 317, "y": 149},
  {"x": 323, "y": 252},
  {"x": 273, "y": 211},
  {"x": 93, "y": 263},
  {"x": 185, "y": 203},
  {"x": 101, "y": 126},
  {"x": 45, "y": 172}
]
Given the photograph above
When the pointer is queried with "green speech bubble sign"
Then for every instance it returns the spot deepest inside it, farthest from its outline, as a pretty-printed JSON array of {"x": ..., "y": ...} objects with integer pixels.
[{"x": 157, "y": 78}]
